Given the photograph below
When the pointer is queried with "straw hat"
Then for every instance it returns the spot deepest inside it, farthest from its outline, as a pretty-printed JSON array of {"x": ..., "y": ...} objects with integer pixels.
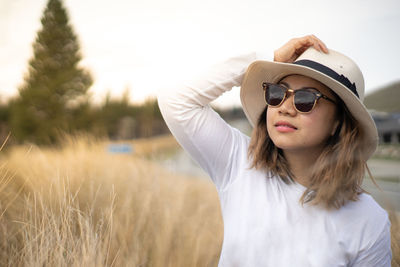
[{"x": 335, "y": 70}]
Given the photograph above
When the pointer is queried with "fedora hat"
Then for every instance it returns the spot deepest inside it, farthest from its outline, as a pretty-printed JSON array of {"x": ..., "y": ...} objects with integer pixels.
[{"x": 335, "y": 70}]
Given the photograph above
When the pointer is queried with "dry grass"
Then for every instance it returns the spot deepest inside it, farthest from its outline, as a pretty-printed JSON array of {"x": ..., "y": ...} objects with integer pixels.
[
  {"x": 395, "y": 238},
  {"x": 79, "y": 206},
  {"x": 151, "y": 147}
]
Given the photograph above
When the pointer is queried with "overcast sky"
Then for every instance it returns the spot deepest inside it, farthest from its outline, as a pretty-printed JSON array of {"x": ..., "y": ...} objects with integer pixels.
[{"x": 145, "y": 44}]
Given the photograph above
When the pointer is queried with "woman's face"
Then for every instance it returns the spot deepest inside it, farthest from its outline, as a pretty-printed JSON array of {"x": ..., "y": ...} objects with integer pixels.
[{"x": 292, "y": 131}]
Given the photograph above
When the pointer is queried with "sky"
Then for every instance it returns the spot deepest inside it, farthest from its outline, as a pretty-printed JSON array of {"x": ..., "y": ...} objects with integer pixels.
[{"x": 145, "y": 46}]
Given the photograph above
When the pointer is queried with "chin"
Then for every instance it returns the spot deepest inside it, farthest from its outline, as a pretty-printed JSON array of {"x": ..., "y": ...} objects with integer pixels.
[
  {"x": 285, "y": 146},
  {"x": 284, "y": 142}
]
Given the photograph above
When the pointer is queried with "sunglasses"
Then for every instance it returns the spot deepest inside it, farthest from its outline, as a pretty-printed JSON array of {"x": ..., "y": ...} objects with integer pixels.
[{"x": 304, "y": 99}]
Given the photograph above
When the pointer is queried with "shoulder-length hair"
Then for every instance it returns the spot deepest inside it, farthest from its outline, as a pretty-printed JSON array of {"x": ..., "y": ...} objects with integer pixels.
[{"x": 338, "y": 172}]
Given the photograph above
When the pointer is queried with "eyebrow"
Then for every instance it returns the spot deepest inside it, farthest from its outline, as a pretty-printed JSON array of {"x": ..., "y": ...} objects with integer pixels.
[
  {"x": 305, "y": 87},
  {"x": 286, "y": 84}
]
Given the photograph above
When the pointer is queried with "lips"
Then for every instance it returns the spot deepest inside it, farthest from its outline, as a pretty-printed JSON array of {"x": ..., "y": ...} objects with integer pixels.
[
  {"x": 285, "y": 124},
  {"x": 285, "y": 127}
]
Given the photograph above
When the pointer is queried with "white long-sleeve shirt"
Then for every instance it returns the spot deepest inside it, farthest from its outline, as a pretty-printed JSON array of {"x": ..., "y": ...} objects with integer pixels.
[{"x": 264, "y": 222}]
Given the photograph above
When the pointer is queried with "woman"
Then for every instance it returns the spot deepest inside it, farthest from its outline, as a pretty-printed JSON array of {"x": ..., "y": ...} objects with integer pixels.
[{"x": 291, "y": 195}]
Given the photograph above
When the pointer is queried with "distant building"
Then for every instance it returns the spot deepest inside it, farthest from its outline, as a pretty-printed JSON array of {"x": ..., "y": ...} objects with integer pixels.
[{"x": 388, "y": 125}]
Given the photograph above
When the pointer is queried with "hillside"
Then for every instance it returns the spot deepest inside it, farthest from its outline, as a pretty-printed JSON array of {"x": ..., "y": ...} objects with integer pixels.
[{"x": 385, "y": 99}]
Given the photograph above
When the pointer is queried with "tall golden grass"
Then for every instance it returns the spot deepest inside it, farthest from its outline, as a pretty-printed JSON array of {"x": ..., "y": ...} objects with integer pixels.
[
  {"x": 80, "y": 206},
  {"x": 395, "y": 238}
]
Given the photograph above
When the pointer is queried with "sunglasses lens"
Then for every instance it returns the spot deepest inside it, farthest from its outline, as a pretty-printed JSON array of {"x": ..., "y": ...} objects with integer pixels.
[
  {"x": 304, "y": 101},
  {"x": 274, "y": 94}
]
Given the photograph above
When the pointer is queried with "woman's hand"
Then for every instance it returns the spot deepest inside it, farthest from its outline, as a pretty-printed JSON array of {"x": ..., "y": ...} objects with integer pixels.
[{"x": 296, "y": 46}]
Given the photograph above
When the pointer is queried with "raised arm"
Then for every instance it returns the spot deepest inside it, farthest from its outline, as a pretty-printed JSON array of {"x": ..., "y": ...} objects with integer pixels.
[{"x": 198, "y": 128}]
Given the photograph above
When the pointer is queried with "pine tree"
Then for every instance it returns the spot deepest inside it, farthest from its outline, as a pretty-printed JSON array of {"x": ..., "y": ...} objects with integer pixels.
[{"x": 55, "y": 85}]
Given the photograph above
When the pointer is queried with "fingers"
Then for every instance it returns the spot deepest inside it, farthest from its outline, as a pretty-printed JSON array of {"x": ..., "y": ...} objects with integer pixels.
[
  {"x": 305, "y": 42},
  {"x": 323, "y": 46},
  {"x": 320, "y": 44},
  {"x": 290, "y": 51}
]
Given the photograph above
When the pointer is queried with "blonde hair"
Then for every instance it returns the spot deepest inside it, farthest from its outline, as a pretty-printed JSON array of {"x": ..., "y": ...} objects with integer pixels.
[{"x": 338, "y": 173}]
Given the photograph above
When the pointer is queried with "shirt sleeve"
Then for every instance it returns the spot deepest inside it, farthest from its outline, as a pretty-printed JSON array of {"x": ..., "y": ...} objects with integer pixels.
[
  {"x": 197, "y": 127},
  {"x": 378, "y": 254}
]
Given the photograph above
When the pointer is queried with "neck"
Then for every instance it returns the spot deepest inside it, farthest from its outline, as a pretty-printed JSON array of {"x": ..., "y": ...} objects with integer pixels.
[{"x": 301, "y": 165}]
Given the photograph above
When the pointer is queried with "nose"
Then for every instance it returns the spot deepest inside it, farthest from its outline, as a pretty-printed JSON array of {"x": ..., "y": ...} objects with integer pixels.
[{"x": 287, "y": 107}]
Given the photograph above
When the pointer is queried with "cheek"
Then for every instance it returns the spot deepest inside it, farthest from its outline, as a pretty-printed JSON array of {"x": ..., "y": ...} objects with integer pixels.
[
  {"x": 320, "y": 125},
  {"x": 268, "y": 118}
]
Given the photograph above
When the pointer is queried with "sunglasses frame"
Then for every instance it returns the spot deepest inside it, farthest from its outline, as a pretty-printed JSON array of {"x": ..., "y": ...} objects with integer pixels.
[{"x": 314, "y": 91}]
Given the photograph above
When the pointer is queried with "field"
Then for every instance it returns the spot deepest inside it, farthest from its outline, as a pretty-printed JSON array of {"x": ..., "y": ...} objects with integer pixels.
[{"x": 78, "y": 205}]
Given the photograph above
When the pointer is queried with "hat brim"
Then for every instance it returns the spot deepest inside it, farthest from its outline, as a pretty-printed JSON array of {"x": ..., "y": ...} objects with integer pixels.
[{"x": 253, "y": 103}]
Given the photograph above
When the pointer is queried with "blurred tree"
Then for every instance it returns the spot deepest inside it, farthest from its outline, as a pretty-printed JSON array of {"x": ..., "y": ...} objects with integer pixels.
[
  {"x": 4, "y": 119},
  {"x": 149, "y": 119},
  {"x": 117, "y": 118},
  {"x": 114, "y": 110},
  {"x": 53, "y": 97}
]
